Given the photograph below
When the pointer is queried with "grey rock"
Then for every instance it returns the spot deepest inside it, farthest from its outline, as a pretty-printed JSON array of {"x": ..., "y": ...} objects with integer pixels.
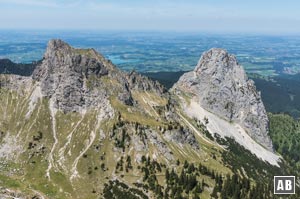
[
  {"x": 222, "y": 87},
  {"x": 135, "y": 82},
  {"x": 70, "y": 77},
  {"x": 155, "y": 140},
  {"x": 63, "y": 74},
  {"x": 126, "y": 98},
  {"x": 20, "y": 84},
  {"x": 139, "y": 82},
  {"x": 182, "y": 136}
]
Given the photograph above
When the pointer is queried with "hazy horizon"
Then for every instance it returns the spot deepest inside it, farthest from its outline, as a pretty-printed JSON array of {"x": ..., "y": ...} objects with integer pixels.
[
  {"x": 147, "y": 32},
  {"x": 214, "y": 16}
]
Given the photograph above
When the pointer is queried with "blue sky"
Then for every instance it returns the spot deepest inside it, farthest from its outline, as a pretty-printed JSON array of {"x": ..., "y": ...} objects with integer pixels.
[{"x": 230, "y": 16}]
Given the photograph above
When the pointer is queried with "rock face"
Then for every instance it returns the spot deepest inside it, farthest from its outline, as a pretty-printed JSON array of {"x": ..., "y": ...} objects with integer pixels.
[
  {"x": 137, "y": 81},
  {"x": 222, "y": 87},
  {"x": 63, "y": 75}
]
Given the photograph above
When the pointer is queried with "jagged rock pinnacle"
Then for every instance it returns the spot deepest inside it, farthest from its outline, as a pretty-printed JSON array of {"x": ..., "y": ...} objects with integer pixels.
[
  {"x": 71, "y": 77},
  {"x": 63, "y": 74},
  {"x": 221, "y": 86},
  {"x": 218, "y": 62},
  {"x": 57, "y": 44}
]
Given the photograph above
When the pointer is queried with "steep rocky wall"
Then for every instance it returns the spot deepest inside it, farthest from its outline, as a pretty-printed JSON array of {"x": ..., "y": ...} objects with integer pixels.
[{"x": 221, "y": 86}]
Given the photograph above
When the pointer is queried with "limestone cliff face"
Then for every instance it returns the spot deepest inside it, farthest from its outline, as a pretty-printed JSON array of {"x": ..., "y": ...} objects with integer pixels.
[
  {"x": 70, "y": 77},
  {"x": 221, "y": 86},
  {"x": 63, "y": 76}
]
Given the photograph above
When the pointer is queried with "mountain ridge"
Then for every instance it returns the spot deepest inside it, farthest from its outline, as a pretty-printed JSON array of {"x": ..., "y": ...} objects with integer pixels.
[{"x": 82, "y": 122}]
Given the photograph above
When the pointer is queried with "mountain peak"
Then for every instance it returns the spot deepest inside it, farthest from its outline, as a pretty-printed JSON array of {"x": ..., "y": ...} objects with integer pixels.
[
  {"x": 60, "y": 57},
  {"x": 221, "y": 86},
  {"x": 214, "y": 54},
  {"x": 220, "y": 64},
  {"x": 72, "y": 78},
  {"x": 56, "y": 44},
  {"x": 64, "y": 72}
]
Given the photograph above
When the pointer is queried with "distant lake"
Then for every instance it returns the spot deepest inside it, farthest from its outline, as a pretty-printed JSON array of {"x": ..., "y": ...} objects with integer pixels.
[{"x": 117, "y": 60}]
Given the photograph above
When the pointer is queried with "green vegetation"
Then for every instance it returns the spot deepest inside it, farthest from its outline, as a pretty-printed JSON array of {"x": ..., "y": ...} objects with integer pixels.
[
  {"x": 280, "y": 94},
  {"x": 203, "y": 129},
  {"x": 241, "y": 160},
  {"x": 208, "y": 172},
  {"x": 6, "y": 181},
  {"x": 119, "y": 190},
  {"x": 168, "y": 79},
  {"x": 86, "y": 52},
  {"x": 285, "y": 134},
  {"x": 236, "y": 187},
  {"x": 128, "y": 114},
  {"x": 8, "y": 67}
]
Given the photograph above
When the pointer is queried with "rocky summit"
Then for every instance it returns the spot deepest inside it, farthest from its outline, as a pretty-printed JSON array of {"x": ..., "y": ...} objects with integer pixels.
[
  {"x": 221, "y": 86},
  {"x": 63, "y": 76},
  {"x": 81, "y": 128}
]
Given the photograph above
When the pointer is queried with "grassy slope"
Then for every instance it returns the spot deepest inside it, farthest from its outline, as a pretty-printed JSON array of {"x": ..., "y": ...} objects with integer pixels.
[
  {"x": 32, "y": 163},
  {"x": 29, "y": 174}
]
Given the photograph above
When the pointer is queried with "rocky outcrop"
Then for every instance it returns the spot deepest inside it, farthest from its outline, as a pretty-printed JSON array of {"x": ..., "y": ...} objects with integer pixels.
[
  {"x": 182, "y": 136},
  {"x": 221, "y": 86},
  {"x": 63, "y": 75},
  {"x": 10, "y": 193},
  {"x": 137, "y": 81},
  {"x": 21, "y": 84}
]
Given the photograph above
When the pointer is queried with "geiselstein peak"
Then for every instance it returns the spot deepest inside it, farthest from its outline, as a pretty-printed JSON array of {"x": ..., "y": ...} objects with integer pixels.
[{"x": 221, "y": 86}]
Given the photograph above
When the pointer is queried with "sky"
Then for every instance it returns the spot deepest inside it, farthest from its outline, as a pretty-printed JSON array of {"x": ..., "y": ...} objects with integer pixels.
[{"x": 218, "y": 16}]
